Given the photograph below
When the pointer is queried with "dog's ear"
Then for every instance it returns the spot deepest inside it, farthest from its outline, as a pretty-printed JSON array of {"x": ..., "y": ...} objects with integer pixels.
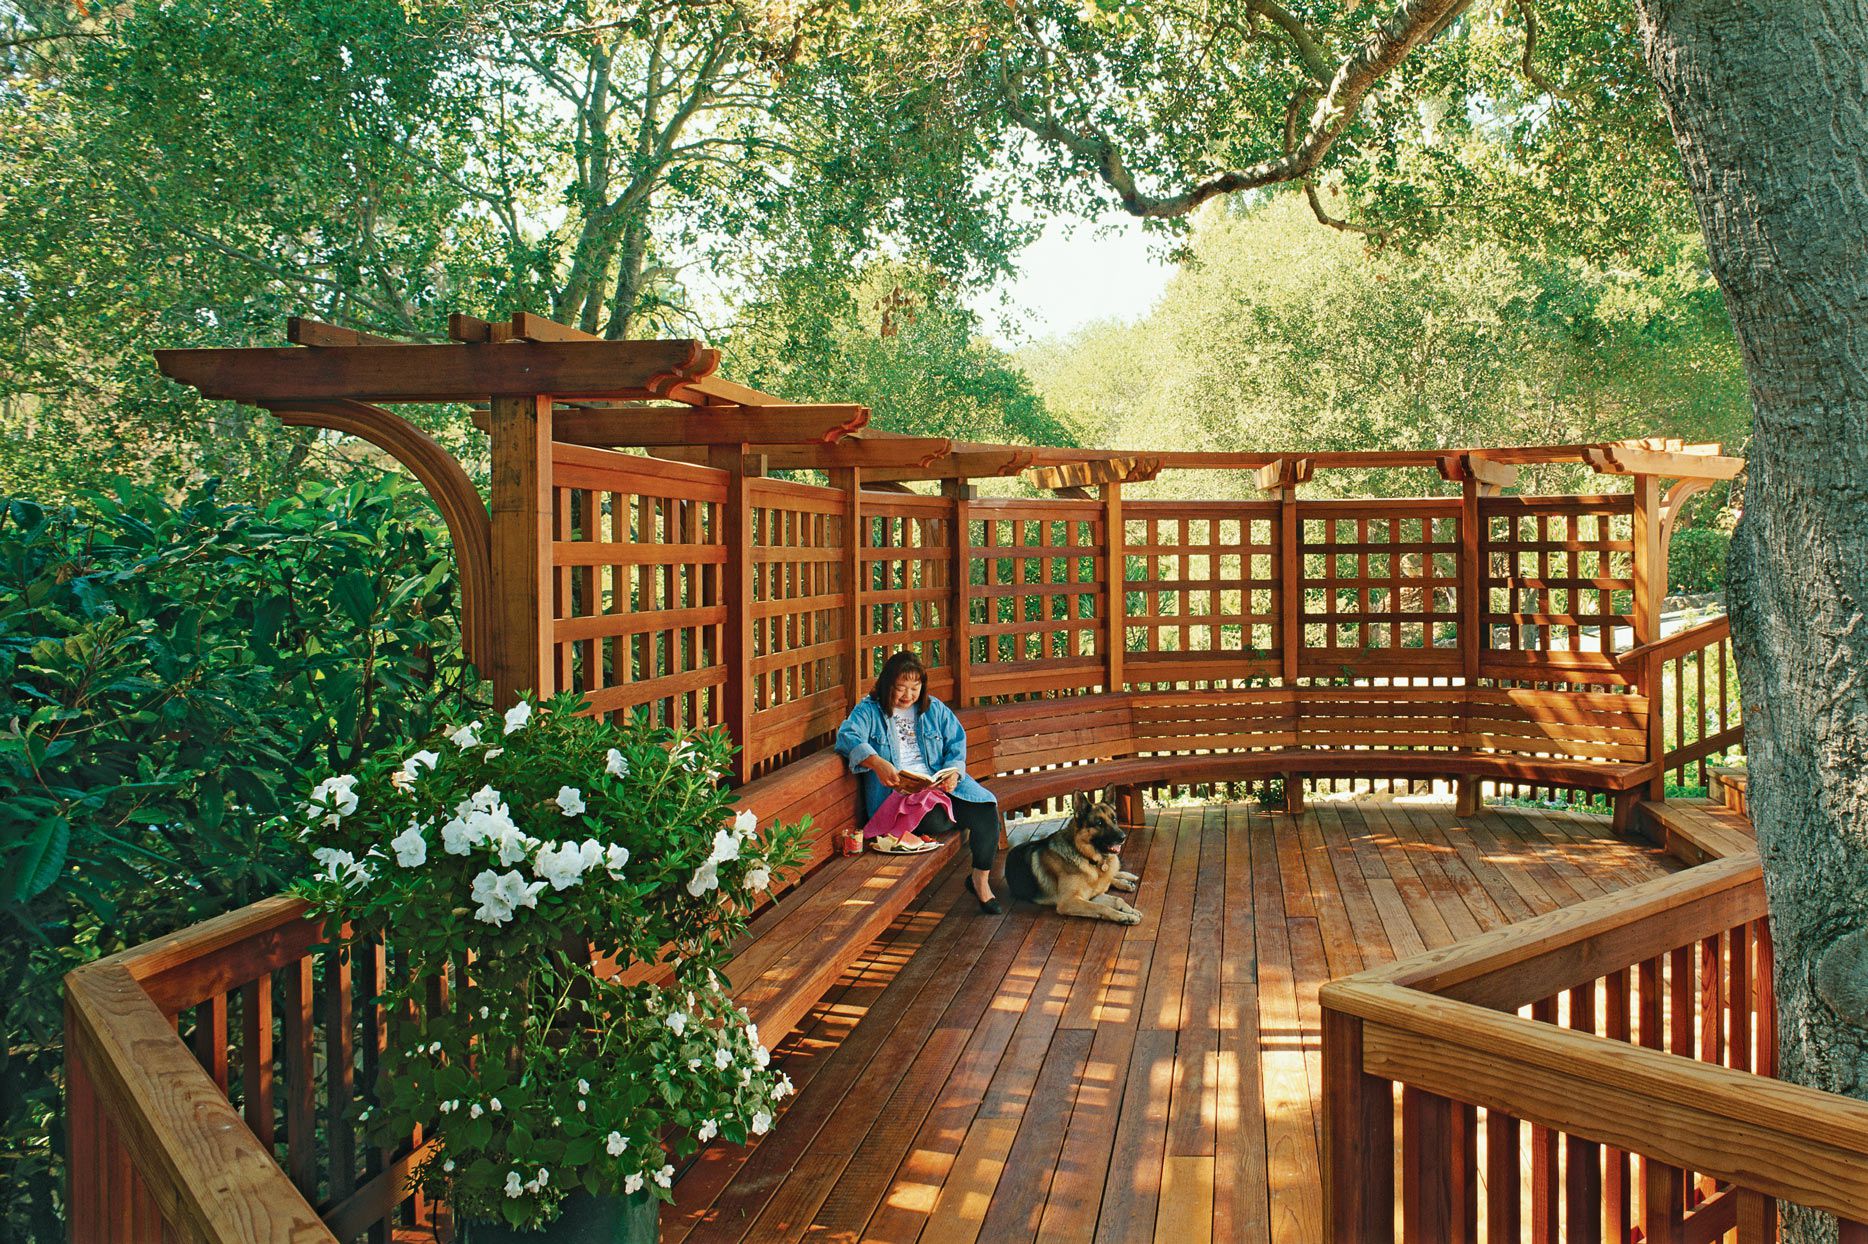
[{"x": 1079, "y": 804}]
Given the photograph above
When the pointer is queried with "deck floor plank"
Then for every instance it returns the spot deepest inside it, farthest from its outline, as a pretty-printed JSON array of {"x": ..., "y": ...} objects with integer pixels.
[{"x": 1026, "y": 1077}]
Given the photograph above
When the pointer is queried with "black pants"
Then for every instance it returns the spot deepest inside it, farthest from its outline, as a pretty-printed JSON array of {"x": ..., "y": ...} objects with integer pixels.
[{"x": 982, "y": 827}]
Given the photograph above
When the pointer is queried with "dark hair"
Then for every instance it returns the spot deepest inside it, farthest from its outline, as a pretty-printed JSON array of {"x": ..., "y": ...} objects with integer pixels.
[{"x": 903, "y": 662}]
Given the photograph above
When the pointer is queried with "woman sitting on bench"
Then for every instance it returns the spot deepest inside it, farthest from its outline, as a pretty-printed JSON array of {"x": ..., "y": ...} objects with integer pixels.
[{"x": 899, "y": 738}]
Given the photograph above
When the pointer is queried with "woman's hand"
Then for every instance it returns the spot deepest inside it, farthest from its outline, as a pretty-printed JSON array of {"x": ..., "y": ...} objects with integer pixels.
[
  {"x": 950, "y": 783},
  {"x": 887, "y": 772}
]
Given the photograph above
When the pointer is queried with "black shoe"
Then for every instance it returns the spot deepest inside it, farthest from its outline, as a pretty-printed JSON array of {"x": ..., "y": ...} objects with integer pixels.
[{"x": 989, "y": 906}]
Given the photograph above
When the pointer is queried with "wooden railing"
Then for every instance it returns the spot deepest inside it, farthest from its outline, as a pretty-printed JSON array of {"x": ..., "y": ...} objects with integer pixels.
[
  {"x": 1696, "y": 711},
  {"x": 210, "y": 1080},
  {"x": 1634, "y": 1035}
]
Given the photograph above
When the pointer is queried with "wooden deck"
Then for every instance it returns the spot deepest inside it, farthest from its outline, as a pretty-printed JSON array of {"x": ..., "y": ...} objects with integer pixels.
[{"x": 1030, "y": 1077}]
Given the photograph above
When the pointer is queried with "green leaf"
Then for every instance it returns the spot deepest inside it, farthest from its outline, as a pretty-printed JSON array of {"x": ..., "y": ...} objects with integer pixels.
[{"x": 42, "y": 860}]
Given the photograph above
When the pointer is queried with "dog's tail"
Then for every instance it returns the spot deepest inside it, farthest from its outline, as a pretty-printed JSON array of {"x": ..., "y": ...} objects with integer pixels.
[{"x": 1018, "y": 874}]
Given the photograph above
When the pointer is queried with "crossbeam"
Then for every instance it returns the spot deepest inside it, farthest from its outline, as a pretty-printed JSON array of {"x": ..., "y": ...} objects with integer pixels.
[
  {"x": 961, "y": 464},
  {"x": 1089, "y": 474},
  {"x": 659, "y": 426},
  {"x": 441, "y": 373}
]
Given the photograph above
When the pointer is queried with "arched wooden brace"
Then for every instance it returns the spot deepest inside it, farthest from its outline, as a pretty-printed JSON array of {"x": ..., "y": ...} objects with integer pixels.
[
  {"x": 454, "y": 494},
  {"x": 1672, "y": 502}
]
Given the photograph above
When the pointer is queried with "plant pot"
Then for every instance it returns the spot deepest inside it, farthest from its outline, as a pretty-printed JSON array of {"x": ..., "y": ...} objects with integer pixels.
[{"x": 585, "y": 1219}]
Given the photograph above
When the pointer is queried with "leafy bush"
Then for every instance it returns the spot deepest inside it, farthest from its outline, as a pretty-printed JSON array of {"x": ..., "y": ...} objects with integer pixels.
[
  {"x": 528, "y": 846},
  {"x": 1696, "y": 560},
  {"x": 168, "y": 669}
]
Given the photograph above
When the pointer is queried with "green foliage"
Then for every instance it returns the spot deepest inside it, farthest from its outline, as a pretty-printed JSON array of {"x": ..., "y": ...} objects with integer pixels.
[
  {"x": 1696, "y": 560},
  {"x": 1278, "y": 335},
  {"x": 166, "y": 670},
  {"x": 529, "y": 848}
]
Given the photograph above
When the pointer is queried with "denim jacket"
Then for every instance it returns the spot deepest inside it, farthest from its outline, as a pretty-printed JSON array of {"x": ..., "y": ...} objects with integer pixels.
[{"x": 866, "y": 732}]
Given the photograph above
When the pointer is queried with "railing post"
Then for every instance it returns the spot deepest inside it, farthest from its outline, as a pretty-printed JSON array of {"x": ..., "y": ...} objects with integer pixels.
[
  {"x": 960, "y": 493},
  {"x": 1358, "y": 1139},
  {"x": 1650, "y": 585},
  {"x": 850, "y": 480},
  {"x": 736, "y": 600},
  {"x": 1115, "y": 596},
  {"x": 520, "y": 428},
  {"x": 1290, "y": 609}
]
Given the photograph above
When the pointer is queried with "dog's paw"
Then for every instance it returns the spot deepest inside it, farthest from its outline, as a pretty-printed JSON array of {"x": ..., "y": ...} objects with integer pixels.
[
  {"x": 1131, "y": 916},
  {"x": 1124, "y": 882}
]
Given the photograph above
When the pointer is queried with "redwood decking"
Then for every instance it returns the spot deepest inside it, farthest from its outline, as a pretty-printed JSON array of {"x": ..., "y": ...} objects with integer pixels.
[{"x": 1027, "y": 1076}]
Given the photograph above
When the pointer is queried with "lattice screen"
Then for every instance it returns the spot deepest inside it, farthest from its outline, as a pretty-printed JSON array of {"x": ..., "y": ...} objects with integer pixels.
[
  {"x": 908, "y": 584},
  {"x": 797, "y": 674},
  {"x": 1557, "y": 578},
  {"x": 1380, "y": 582},
  {"x": 1200, "y": 591},
  {"x": 1036, "y": 604},
  {"x": 638, "y": 559}
]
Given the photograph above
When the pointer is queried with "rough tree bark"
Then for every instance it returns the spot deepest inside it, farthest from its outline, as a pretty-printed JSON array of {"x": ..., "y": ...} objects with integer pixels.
[{"x": 1769, "y": 105}]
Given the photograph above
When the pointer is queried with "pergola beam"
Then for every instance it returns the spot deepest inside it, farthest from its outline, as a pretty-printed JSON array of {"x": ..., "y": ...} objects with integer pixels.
[
  {"x": 441, "y": 373},
  {"x": 1686, "y": 462},
  {"x": 659, "y": 426},
  {"x": 1479, "y": 468},
  {"x": 852, "y": 451},
  {"x": 1285, "y": 473},
  {"x": 961, "y": 464},
  {"x": 1093, "y": 473}
]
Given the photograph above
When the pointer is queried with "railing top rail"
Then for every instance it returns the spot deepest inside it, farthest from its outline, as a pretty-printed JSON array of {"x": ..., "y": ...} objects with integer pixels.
[
  {"x": 1540, "y": 957},
  {"x": 193, "y": 964},
  {"x": 210, "y": 1176},
  {"x": 1784, "y": 1140},
  {"x": 1699, "y": 636}
]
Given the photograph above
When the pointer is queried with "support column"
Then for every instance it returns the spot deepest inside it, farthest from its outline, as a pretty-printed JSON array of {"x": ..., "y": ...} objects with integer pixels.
[
  {"x": 1115, "y": 596},
  {"x": 850, "y": 480},
  {"x": 521, "y": 548},
  {"x": 960, "y": 617},
  {"x": 736, "y": 599},
  {"x": 1650, "y": 585},
  {"x": 1290, "y": 611}
]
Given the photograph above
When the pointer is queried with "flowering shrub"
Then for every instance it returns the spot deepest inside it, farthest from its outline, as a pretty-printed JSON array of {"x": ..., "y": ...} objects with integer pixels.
[{"x": 508, "y": 858}]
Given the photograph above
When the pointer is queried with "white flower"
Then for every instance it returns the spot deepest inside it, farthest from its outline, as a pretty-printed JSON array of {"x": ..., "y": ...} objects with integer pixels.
[
  {"x": 570, "y": 800},
  {"x": 632, "y": 1184},
  {"x": 583, "y": 1085},
  {"x": 475, "y": 1111},
  {"x": 745, "y": 1075},
  {"x": 616, "y": 1142},
  {"x": 492, "y": 1104},
  {"x": 614, "y": 858},
  {"x": 336, "y": 795},
  {"x": 341, "y": 866},
  {"x": 725, "y": 847},
  {"x": 467, "y": 736},
  {"x": 745, "y": 824},
  {"x": 448, "y": 1165},
  {"x": 684, "y": 754},
  {"x": 761, "y": 1123},
  {"x": 752, "y": 1032},
  {"x": 761, "y": 1055},
  {"x": 542, "y": 1178},
  {"x": 512, "y": 844},
  {"x": 757, "y": 879},
  {"x": 456, "y": 838},
  {"x": 410, "y": 847},
  {"x": 783, "y": 1088},
  {"x": 514, "y": 1185},
  {"x": 582, "y": 1105},
  {"x": 493, "y": 909},
  {"x": 485, "y": 1011},
  {"x": 413, "y": 766},
  {"x": 677, "y": 1020},
  {"x": 707, "y": 1132},
  {"x": 666, "y": 1176},
  {"x": 616, "y": 765},
  {"x": 693, "y": 1064},
  {"x": 434, "y": 1047},
  {"x": 562, "y": 866},
  {"x": 446, "y": 1107},
  {"x": 492, "y": 752},
  {"x": 722, "y": 1058},
  {"x": 517, "y": 716},
  {"x": 705, "y": 878}
]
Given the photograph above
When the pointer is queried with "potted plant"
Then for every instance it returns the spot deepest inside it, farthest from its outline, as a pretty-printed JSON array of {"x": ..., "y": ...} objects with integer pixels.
[{"x": 516, "y": 871}]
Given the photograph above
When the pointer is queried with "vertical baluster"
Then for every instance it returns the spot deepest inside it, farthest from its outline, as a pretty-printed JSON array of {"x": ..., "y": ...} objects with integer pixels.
[
  {"x": 373, "y": 964},
  {"x": 1582, "y": 1181},
  {"x": 340, "y": 1070},
  {"x": 1358, "y": 1139},
  {"x": 1504, "y": 1206},
  {"x": 1848, "y": 1231},
  {"x": 1757, "y": 1218},
  {"x": 256, "y": 1058},
  {"x": 1738, "y": 1005},
  {"x": 1650, "y": 1031},
  {"x": 1430, "y": 1188},
  {"x": 1699, "y": 717},
  {"x": 1663, "y": 1220},
  {"x": 84, "y": 1126},
  {"x": 1545, "y": 1225},
  {"x": 1712, "y": 996},
  {"x": 1616, "y": 1192},
  {"x": 300, "y": 1089},
  {"x": 210, "y": 1039},
  {"x": 1766, "y": 1060},
  {"x": 1681, "y": 997}
]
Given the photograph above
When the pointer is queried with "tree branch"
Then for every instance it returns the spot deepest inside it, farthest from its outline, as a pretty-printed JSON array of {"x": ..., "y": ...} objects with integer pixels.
[
  {"x": 1528, "y": 66},
  {"x": 1412, "y": 23}
]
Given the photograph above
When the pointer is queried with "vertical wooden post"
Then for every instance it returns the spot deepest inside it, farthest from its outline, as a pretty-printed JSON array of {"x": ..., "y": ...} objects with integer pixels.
[
  {"x": 736, "y": 600},
  {"x": 850, "y": 480},
  {"x": 1650, "y": 585},
  {"x": 960, "y": 607},
  {"x": 1471, "y": 629},
  {"x": 1358, "y": 1139},
  {"x": 1115, "y": 595},
  {"x": 522, "y": 536},
  {"x": 1290, "y": 613}
]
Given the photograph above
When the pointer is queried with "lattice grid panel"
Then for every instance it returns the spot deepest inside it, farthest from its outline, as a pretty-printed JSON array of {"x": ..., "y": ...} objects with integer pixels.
[
  {"x": 797, "y": 676},
  {"x": 1380, "y": 587},
  {"x": 1557, "y": 574},
  {"x": 1036, "y": 621},
  {"x": 908, "y": 585},
  {"x": 637, "y": 563},
  {"x": 1200, "y": 591}
]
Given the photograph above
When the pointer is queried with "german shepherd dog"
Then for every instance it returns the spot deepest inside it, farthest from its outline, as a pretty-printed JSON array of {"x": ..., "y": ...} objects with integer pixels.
[{"x": 1074, "y": 868}]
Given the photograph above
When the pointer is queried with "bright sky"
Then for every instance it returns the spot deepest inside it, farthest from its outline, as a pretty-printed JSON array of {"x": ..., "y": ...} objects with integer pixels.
[{"x": 1075, "y": 274}]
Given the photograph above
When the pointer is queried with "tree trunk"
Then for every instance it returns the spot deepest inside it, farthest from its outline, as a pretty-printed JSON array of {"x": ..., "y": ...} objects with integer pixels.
[
  {"x": 628, "y": 298},
  {"x": 1769, "y": 104}
]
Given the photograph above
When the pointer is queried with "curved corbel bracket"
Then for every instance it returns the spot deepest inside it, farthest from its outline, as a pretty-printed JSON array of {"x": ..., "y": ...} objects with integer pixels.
[
  {"x": 454, "y": 495},
  {"x": 1673, "y": 501}
]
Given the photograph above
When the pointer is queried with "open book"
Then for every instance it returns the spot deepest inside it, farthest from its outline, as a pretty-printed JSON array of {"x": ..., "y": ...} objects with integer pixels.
[{"x": 918, "y": 778}]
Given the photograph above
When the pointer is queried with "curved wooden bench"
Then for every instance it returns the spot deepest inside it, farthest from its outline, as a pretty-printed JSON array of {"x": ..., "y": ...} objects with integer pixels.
[{"x": 1038, "y": 750}]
